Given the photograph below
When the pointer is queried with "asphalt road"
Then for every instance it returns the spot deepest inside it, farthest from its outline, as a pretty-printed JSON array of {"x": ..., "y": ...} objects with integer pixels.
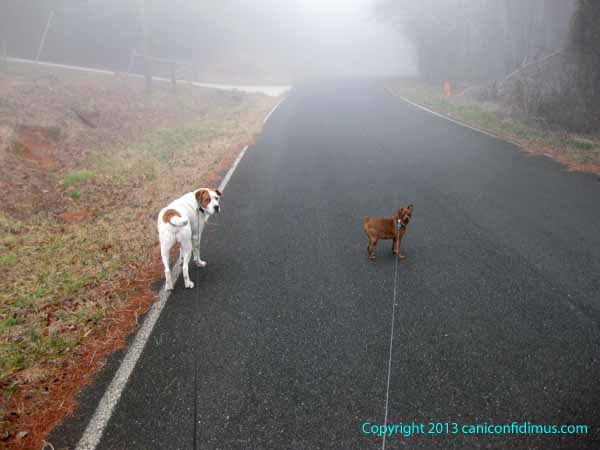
[{"x": 284, "y": 342}]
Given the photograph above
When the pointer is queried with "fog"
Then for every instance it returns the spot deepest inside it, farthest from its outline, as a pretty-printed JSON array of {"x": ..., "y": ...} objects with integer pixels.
[
  {"x": 318, "y": 38},
  {"x": 287, "y": 41},
  {"x": 258, "y": 40}
]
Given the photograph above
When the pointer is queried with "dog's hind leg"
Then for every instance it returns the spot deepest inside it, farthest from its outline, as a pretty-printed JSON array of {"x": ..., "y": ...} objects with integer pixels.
[{"x": 165, "y": 248}]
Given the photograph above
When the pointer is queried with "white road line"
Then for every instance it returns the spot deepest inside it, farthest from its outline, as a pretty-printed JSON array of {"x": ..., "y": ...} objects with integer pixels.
[
  {"x": 232, "y": 169},
  {"x": 97, "y": 424},
  {"x": 95, "y": 428},
  {"x": 443, "y": 116},
  {"x": 273, "y": 110}
]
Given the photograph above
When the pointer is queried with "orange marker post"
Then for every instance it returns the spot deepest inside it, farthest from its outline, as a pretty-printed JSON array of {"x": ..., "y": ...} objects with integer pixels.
[{"x": 447, "y": 88}]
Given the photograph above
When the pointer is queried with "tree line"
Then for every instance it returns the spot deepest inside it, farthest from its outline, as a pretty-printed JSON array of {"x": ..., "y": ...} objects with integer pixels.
[{"x": 545, "y": 54}]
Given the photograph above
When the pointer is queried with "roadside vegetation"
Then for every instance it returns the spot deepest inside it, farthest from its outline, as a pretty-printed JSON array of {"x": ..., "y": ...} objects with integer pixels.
[
  {"x": 576, "y": 150},
  {"x": 86, "y": 162}
]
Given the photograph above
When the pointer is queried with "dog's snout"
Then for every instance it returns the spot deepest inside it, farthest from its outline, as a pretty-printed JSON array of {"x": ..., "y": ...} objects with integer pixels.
[{"x": 217, "y": 208}]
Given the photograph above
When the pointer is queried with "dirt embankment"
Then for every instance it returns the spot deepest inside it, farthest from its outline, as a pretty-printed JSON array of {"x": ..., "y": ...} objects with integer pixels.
[
  {"x": 50, "y": 120},
  {"x": 86, "y": 161}
]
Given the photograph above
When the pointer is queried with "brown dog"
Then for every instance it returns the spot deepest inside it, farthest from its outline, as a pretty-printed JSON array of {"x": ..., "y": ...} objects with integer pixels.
[{"x": 376, "y": 229}]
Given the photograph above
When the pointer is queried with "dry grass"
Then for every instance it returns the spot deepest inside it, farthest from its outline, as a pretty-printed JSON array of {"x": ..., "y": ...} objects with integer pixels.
[
  {"x": 578, "y": 152},
  {"x": 73, "y": 231}
]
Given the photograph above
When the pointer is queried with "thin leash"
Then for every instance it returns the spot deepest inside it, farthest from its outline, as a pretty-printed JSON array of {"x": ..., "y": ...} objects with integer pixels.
[
  {"x": 197, "y": 282},
  {"x": 195, "y": 427},
  {"x": 387, "y": 393}
]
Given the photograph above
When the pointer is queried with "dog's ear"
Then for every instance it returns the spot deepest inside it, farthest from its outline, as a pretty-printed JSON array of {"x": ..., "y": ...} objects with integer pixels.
[
  {"x": 203, "y": 197},
  {"x": 218, "y": 193}
]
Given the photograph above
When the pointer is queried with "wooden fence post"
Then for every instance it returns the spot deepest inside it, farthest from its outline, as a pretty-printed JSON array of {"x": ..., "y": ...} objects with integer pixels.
[
  {"x": 173, "y": 79},
  {"x": 4, "y": 55},
  {"x": 132, "y": 56}
]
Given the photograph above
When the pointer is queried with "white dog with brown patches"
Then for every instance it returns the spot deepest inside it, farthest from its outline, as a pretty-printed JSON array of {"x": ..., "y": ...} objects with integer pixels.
[{"x": 182, "y": 222}]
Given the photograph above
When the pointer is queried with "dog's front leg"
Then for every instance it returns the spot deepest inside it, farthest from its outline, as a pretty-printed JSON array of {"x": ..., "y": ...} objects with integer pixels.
[
  {"x": 187, "y": 255},
  {"x": 397, "y": 243},
  {"x": 196, "y": 245},
  {"x": 371, "y": 248},
  {"x": 196, "y": 251}
]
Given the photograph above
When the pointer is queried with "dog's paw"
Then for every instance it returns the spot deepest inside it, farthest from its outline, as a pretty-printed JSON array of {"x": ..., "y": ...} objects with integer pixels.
[
  {"x": 402, "y": 256},
  {"x": 168, "y": 286},
  {"x": 189, "y": 285},
  {"x": 201, "y": 263},
  {"x": 371, "y": 258}
]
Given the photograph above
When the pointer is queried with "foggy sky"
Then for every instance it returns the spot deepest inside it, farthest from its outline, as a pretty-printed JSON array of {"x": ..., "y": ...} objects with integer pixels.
[{"x": 319, "y": 37}]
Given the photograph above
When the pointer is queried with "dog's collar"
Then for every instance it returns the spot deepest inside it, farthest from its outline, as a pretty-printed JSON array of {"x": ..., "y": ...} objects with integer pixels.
[{"x": 400, "y": 224}]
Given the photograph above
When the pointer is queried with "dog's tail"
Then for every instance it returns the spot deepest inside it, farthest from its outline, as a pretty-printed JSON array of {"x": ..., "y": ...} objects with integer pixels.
[
  {"x": 178, "y": 221},
  {"x": 172, "y": 217}
]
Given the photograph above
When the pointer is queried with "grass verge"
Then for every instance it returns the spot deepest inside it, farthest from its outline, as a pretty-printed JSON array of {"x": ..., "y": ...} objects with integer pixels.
[{"x": 72, "y": 265}]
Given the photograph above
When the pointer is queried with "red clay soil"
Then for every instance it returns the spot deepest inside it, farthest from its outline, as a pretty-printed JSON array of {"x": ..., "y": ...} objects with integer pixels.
[
  {"x": 567, "y": 161},
  {"x": 37, "y": 145},
  {"x": 27, "y": 167},
  {"x": 539, "y": 148},
  {"x": 39, "y": 406},
  {"x": 48, "y": 394}
]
